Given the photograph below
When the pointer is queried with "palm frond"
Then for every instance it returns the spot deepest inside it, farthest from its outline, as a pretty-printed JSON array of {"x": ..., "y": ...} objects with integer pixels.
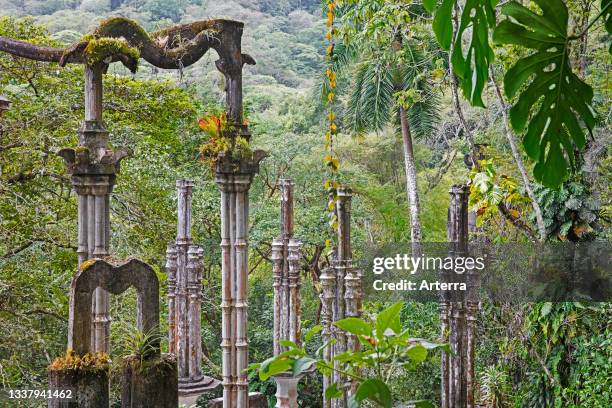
[
  {"x": 370, "y": 102},
  {"x": 423, "y": 115}
]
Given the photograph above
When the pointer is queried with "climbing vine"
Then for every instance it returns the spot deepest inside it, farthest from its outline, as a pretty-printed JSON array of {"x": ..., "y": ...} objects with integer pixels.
[{"x": 331, "y": 160}]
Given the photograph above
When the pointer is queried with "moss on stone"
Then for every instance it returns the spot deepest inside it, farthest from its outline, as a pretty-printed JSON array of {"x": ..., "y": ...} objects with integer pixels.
[
  {"x": 98, "y": 49},
  {"x": 87, "y": 264},
  {"x": 114, "y": 25}
]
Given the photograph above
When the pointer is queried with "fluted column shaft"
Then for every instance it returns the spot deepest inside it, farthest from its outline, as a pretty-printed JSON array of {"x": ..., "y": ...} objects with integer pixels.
[
  {"x": 277, "y": 279},
  {"x": 93, "y": 233},
  {"x": 328, "y": 286},
  {"x": 341, "y": 296},
  {"x": 458, "y": 313},
  {"x": 234, "y": 247},
  {"x": 184, "y": 266}
]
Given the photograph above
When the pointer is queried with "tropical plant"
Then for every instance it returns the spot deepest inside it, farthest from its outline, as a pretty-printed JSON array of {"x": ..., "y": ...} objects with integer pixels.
[
  {"x": 492, "y": 193},
  {"x": 138, "y": 345},
  {"x": 555, "y": 95},
  {"x": 220, "y": 139},
  {"x": 571, "y": 212},
  {"x": 494, "y": 387},
  {"x": 385, "y": 348},
  {"x": 392, "y": 82}
]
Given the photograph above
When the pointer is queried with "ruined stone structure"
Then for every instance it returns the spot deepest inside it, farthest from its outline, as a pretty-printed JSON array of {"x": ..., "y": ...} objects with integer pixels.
[
  {"x": 91, "y": 385},
  {"x": 184, "y": 268},
  {"x": 234, "y": 176},
  {"x": 285, "y": 270},
  {"x": 93, "y": 167},
  {"x": 458, "y": 312},
  {"x": 341, "y": 297},
  {"x": 287, "y": 302}
]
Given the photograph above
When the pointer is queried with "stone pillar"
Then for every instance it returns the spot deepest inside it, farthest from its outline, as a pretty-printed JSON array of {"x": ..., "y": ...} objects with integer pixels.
[
  {"x": 234, "y": 176},
  {"x": 457, "y": 313},
  {"x": 93, "y": 168},
  {"x": 278, "y": 289},
  {"x": 341, "y": 297},
  {"x": 328, "y": 286},
  {"x": 184, "y": 268},
  {"x": 286, "y": 277},
  {"x": 286, "y": 253}
]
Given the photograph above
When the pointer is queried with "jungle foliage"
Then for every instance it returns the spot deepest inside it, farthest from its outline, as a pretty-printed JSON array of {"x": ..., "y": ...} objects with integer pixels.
[{"x": 527, "y": 355}]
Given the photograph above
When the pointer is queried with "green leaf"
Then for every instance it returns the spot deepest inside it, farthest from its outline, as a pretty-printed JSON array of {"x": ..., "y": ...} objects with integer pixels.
[
  {"x": 606, "y": 8},
  {"x": 333, "y": 392},
  {"x": 555, "y": 105},
  {"x": 302, "y": 364},
  {"x": 288, "y": 344},
  {"x": 355, "y": 326},
  {"x": 376, "y": 391},
  {"x": 429, "y": 5},
  {"x": 273, "y": 366},
  {"x": 417, "y": 353},
  {"x": 389, "y": 319},
  {"x": 327, "y": 344},
  {"x": 546, "y": 307},
  {"x": 443, "y": 23},
  {"x": 472, "y": 67},
  {"x": 311, "y": 333}
]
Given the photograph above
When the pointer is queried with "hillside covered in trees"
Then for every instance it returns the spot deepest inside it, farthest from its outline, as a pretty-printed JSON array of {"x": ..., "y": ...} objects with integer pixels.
[{"x": 402, "y": 125}]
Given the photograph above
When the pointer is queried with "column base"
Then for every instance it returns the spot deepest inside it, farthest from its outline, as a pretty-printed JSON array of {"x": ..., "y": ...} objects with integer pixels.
[{"x": 189, "y": 388}]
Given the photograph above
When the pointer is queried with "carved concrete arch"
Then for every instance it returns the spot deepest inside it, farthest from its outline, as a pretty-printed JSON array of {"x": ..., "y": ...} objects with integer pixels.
[{"x": 116, "y": 280}]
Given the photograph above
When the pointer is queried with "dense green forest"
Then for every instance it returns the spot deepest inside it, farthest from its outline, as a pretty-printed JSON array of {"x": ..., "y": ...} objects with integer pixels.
[{"x": 388, "y": 64}]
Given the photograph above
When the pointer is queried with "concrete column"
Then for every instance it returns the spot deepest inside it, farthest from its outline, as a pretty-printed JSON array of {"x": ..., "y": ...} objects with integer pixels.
[
  {"x": 171, "y": 269},
  {"x": 93, "y": 192},
  {"x": 328, "y": 286},
  {"x": 184, "y": 267},
  {"x": 277, "y": 277},
  {"x": 295, "y": 311},
  {"x": 233, "y": 176},
  {"x": 456, "y": 313}
]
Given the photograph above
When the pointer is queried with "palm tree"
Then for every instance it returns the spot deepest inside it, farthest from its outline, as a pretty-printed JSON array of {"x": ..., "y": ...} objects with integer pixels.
[{"x": 373, "y": 105}]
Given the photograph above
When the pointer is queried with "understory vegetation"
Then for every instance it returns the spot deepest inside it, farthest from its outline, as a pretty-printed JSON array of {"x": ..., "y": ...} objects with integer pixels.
[{"x": 387, "y": 62}]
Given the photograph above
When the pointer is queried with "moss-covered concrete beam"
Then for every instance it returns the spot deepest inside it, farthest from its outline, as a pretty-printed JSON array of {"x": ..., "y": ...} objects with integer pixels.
[{"x": 171, "y": 48}]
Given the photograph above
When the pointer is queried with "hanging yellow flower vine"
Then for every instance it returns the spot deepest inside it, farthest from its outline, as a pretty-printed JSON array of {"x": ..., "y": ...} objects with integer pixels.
[{"x": 331, "y": 160}]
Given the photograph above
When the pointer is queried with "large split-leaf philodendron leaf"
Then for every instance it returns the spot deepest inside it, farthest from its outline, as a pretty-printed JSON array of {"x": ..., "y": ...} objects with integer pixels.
[
  {"x": 554, "y": 105},
  {"x": 472, "y": 66},
  {"x": 606, "y": 8},
  {"x": 470, "y": 63}
]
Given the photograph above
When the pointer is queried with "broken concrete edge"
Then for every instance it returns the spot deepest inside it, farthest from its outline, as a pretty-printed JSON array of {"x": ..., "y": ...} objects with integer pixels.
[{"x": 165, "y": 362}]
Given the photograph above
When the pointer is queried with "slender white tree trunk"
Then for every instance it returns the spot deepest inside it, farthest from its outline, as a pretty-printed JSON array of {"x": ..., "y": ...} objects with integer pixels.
[
  {"x": 411, "y": 178},
  {"x": 518, "y": 159}
]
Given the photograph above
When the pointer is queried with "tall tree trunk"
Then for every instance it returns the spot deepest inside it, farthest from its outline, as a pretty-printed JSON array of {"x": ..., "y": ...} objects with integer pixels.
[
  {"x": 518, "y": 159},
  {"x": 411, "y": 178},
  {"x": 584, "y": 40}
]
